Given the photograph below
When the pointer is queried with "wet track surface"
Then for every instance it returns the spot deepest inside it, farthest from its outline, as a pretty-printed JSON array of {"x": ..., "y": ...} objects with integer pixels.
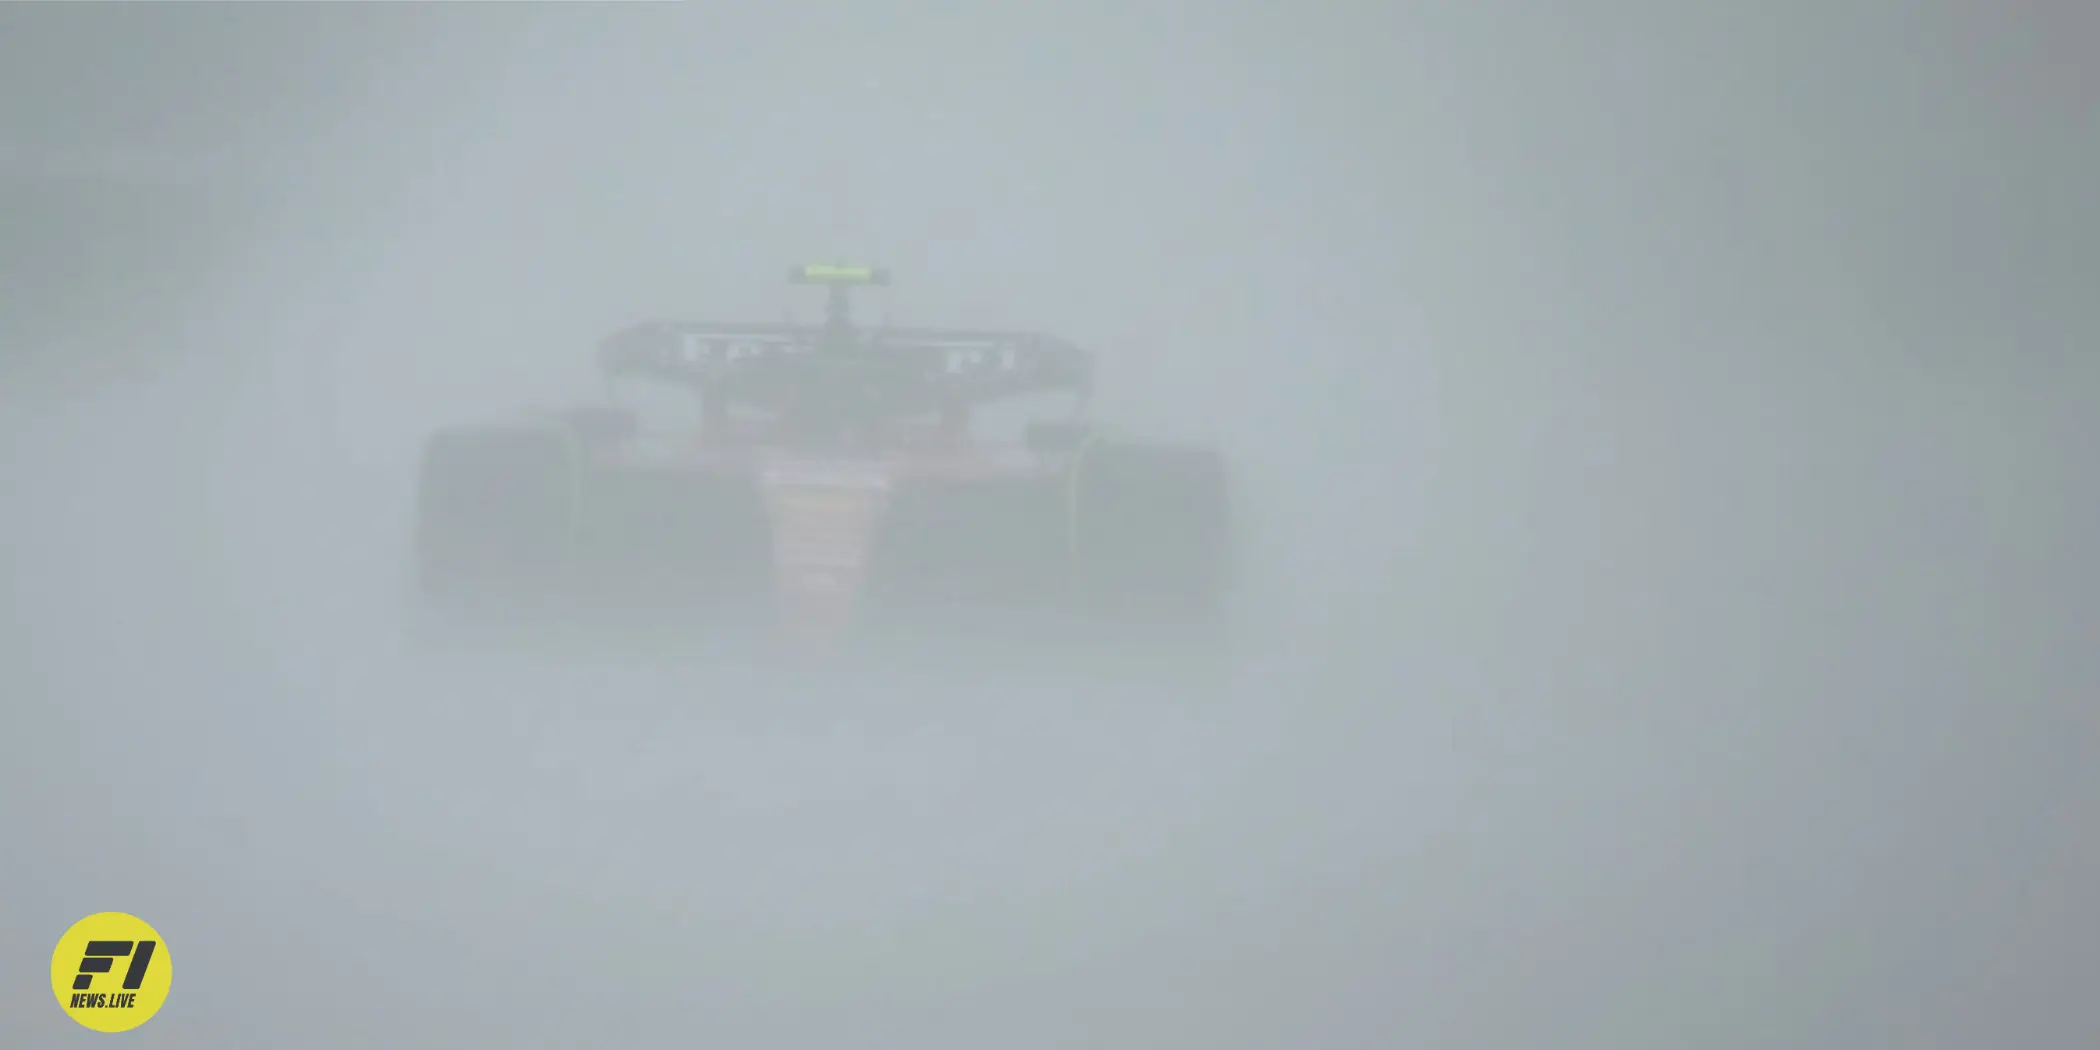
[{"x": 212, "y": 724}]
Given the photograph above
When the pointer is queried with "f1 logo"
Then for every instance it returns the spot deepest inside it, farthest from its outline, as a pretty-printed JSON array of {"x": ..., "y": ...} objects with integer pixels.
[
  {"x": 101, "y": 955},
  {"x": 111, "y": 971}
]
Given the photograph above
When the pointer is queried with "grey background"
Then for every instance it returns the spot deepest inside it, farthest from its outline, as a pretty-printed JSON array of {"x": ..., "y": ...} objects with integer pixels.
[{"x": 1668, "y": 429}]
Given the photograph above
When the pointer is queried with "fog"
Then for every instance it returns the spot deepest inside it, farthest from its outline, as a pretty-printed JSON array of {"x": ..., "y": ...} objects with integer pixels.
[{"x": 1665, "y": 434}]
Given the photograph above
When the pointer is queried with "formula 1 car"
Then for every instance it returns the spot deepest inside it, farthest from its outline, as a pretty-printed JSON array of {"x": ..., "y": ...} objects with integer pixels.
[{"x": 833, "y": 484}]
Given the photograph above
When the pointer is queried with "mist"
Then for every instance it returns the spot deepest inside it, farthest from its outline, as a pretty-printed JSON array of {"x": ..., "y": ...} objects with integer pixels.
[{"x": 1665, "y": 436}]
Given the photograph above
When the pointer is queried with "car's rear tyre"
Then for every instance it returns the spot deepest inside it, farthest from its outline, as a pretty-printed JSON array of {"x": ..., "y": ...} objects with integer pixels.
[
  {"x": 950, "y": 557},
  {"x": 1152, "y": 530},
  {"x": 1121, "y": 570},
  {"x": 495, "y": 522},
  {"x": 1153, "y": 553},
  {"x": 667, "y": 553}
]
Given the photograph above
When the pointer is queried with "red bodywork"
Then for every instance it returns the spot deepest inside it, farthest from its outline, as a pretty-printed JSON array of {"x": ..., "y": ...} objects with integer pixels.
[
  {"x": 825, "y": 507},
  {"x": 827, "y": 490}
]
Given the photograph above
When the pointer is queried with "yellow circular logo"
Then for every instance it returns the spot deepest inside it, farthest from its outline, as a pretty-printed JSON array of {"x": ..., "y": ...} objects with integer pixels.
[{"x": 111, "y": 972}]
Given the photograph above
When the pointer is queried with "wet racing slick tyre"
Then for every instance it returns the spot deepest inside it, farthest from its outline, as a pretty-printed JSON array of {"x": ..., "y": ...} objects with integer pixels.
[
  {"x": 968, "y": 576},
  {"x": 1152, "y": 556},
  {"x": 494, "y": 528},
  {"x": 669, "y": 560}
]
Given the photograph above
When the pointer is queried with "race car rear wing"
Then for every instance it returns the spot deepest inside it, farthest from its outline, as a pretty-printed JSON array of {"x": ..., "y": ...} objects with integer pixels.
[{"x": 973, "y": 365}]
